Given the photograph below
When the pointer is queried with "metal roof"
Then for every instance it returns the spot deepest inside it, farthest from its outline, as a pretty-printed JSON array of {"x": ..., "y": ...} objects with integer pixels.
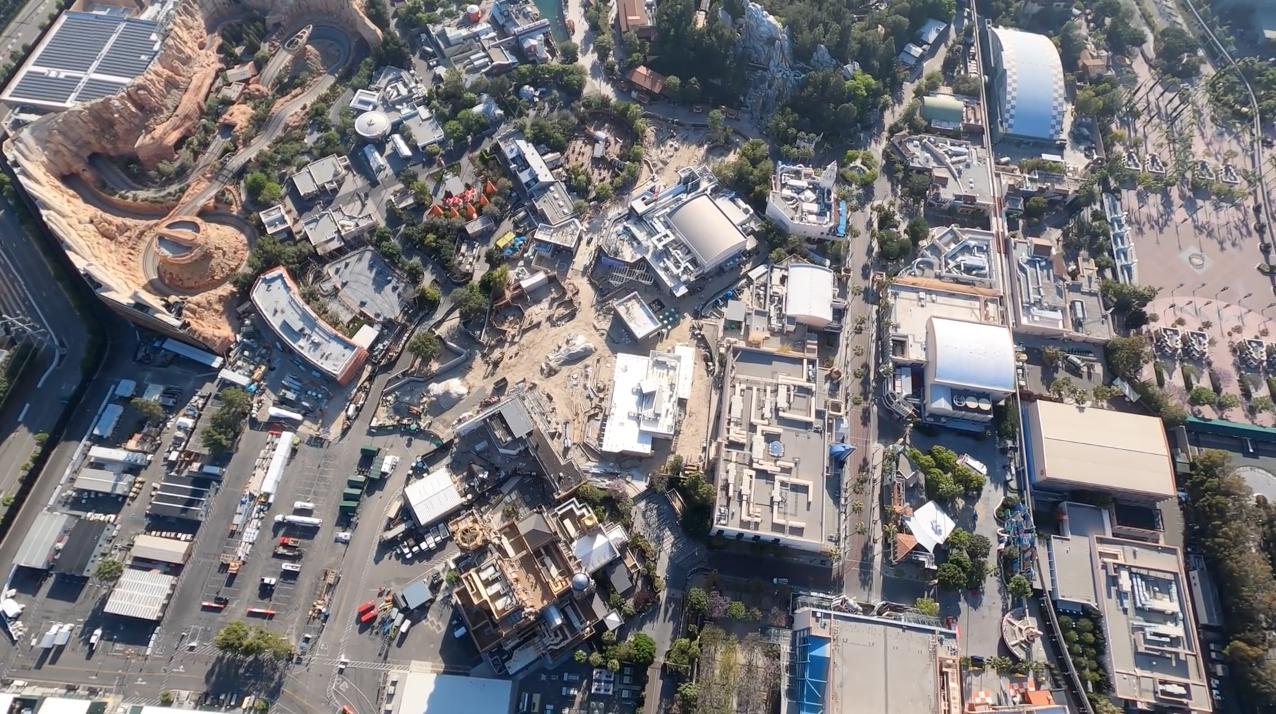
[
  {"x": 141, "y": 594},
  {"x": 707, "y": 231},
  {"x": 163, "y": 550},
  {"x": 81, "y": 548},
  {"x": 85, "y": 56},
  {"x": 973, "y": 355},
  {"x": 1032, "y": 100},
  {"x": 39, "y": 548}
]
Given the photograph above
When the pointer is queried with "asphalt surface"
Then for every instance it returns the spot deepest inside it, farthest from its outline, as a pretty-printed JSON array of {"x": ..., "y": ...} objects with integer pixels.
[{"x": 28, "y": 289}]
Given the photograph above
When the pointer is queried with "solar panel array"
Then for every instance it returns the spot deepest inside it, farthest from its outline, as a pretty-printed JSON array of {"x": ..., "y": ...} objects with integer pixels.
[
  {"x": 131, "y": 52},
  {"x": 87, "y": 51},
  {"x": 77, "y": 43},
  {"x": 97, "y": 88},
  {"x": 42, "y": 88}
]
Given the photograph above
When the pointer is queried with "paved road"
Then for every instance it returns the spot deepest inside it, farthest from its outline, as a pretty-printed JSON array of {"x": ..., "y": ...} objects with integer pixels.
[
  {"x": 25, "y": 27},
  {"x": 28, "y": 288}
]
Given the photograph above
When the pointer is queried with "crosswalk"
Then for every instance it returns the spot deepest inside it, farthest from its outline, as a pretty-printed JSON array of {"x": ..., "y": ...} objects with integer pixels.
[{"x": 375, "y": 666}]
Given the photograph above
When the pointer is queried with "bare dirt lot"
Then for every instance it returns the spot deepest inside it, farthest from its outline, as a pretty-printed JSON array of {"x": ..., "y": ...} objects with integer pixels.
[{"x": 617, "y": 140}]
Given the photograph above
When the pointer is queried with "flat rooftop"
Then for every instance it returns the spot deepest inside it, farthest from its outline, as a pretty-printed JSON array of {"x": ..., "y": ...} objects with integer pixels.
[
  {"x": 1072, "y": 447},
  {"x": 321, "y": 175},
  {"x": 554, "y": 203},
  {"x": 279, "y": 301},
  {"x": 1140, "y": 590},
  {"x": 959, "y": 169},
  {"x": 1053, "y": 294},
  {"x": 645, "y": 401},
  {"x": 871, "y": 664},
  {"x": 773, "y": 468},
  {"x": 804, "y": 194},
  {"x": 965, "y": 256},
  {"x": 85, "y": 56},
  {"x": 915, "y": 300},
  {"x": 638, "y": 318}
]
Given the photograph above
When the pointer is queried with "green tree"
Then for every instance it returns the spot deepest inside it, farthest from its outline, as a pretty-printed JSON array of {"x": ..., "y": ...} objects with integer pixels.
[
  {"x": 1177, "y": 51},
  {"x": 231, "y": 638},
  {"x": 950, "y": 577},
  {"x": 581, "y": 656},
  {"x": 917, "y": 230},
  {"x": 697, "y": 602},
  {"x": 642, "y": 650},
  {"x": 927, "y": 606},
  {"x": 673, "y": 88},
  {"x": 1227, "y": 400},
  {"x": 980, "y": 547},
  {"x": 1126, "y": 356},
  {"x": 736, "y": 610},
  {"x": 429, "y": 295},
  {"x": 595, "y": 659},
  {"x": 1035, "y": 207},
  {"x": 959, "y": 539},
  {"x": 425, "y": 346},
  {"x": 148, "y": 409},
  {"x": 108, "y": 571},
  {"x": 1202, "y": 396},
  {"x": 493, "y": 281},
  {"x": 470, "y": 302},
  {"x": 166, "y": 697},
  {"x": 688, "y": 695},
  {"x": 227, "y": 422},
  {"x": 568, "y": 52},
  {"x": 1019, "y": 587}
]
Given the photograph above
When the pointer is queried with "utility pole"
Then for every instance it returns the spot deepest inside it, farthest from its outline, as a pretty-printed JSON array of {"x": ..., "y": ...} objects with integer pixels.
[{"x": 23, "y": 328}]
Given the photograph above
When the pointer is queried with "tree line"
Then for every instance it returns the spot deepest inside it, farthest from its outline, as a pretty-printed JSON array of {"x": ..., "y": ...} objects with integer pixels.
[{"x": 1236, "y": 540}]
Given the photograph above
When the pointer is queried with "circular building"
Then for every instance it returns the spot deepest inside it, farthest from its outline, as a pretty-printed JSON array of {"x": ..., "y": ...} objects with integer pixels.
[
  {"x": 1028, "y": 82},
  {"x": 372, "y": 126}
]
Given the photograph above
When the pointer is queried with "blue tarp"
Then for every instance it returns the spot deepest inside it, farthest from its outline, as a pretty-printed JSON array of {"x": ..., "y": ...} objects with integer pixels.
[
  {"x": 841, "y": 222},
  {"x": 839, "y": 452}
]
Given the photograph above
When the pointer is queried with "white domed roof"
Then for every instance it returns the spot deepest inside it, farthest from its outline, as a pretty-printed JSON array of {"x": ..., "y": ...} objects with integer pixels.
[{"x": 372, "y": 125}]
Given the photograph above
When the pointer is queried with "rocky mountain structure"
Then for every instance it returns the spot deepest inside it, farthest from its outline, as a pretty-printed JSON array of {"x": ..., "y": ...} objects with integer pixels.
[{"x": 171, "y": 280}]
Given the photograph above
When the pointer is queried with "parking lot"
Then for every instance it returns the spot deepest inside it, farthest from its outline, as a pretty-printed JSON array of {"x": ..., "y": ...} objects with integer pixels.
[{"x": 62, "y": 598}]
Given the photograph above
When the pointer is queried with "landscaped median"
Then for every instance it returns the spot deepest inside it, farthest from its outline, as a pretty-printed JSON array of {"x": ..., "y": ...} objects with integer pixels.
[{"x": 11, "y": 367}]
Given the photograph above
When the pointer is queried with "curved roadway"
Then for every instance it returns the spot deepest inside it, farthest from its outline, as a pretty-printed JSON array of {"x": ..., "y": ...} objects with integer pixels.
[
  {"x": 277, "y": 120},
  {"x": 193, "y": 205}
]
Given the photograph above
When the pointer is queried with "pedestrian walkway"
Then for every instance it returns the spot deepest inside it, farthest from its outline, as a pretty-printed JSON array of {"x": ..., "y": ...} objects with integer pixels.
[{"x": 655, "y": 518}]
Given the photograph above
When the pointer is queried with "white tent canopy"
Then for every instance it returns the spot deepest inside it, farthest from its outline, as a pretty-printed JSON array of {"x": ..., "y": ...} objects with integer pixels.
[{"x": 930, "y": 525}]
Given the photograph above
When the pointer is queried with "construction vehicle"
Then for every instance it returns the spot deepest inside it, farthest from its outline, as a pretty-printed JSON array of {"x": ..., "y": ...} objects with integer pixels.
[
  {"x": 288, "y": 551},
  {"x": 290, "y": 541}
]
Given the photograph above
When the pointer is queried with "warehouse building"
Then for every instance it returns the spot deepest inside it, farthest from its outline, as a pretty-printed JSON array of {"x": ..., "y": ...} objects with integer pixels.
[
  {"x": 141, "y": 594},
  {"x": 44, "y": 540},
  {"x": 434, "y": 497},
  {"x": 843, "y": 663},
  {"x": 647, "y": 399},
  {"x": 160, "y": 550},
  {"x": 113, "y": 483},
  {"x": 681, "y": 233},
  {"x": 1075, "y": 448},
  {"x": 84, "y": 56},
  {"x": 1028, "y": 87},
  {"x": 773, "y": 456},
  {"x": 425, "y": 692},
  {"x": 802, "y": 202}
]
